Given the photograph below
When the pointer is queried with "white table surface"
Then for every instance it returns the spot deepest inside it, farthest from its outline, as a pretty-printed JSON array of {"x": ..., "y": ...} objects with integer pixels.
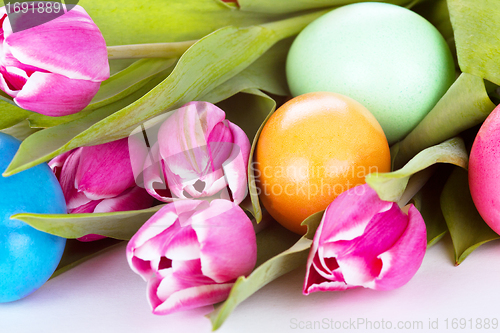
[{"x": 104, "y": 295}]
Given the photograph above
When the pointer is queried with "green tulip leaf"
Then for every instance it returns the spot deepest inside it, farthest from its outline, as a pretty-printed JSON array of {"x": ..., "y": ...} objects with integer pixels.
[
  {"x": 467, "y": 229},
  {"x": 287, "y": 6},
  {"x": 46, "y": 144},
  {"x": 117, "y": 65},
  {"x": 129, "y": 80},
  {"x": 117, "y": 87},
  {"x": 390, "y": 186},
  {"x": 158, "y": 21},
  {"x": 427, "y": 201},
  {"x": 464, "y": 105},
  {"x": 438, "y": 14},
  {"x": 275, "y": 267},
  {"x": 273, "y": 240},
  {"x": 271, "y": 264},
  {"x": 258, "y": 107},
  {"x": 253, "y": 188},
  {"x": 10, "y": 114},
  {"x": 21, "y": 130},
  {"x": 312, "y": 223},
  {"x": 118, "y": 225},
  {"x": 207, "y": 64},
  {"x": 76, "y": 253},
  {"x": 267, "y": 73},
  {"x": 476, "y": 25}
]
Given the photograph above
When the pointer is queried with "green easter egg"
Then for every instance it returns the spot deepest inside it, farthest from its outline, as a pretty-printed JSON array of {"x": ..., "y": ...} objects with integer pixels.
[{"x": 386, "y": 57}]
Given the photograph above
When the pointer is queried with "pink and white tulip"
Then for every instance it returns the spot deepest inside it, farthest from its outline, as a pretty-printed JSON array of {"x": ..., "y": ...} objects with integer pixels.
[
  {"x": 54, "y": 68},
  {"x": 99, "y": 179},
  {"x": 199, "y": 154},
  {"x": 363, "y": 241},
  {"x": 191, "y": 252}
]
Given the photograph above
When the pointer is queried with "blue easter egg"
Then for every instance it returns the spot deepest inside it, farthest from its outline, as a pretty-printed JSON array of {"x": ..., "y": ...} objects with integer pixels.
[{"x": 28, "y": 257}]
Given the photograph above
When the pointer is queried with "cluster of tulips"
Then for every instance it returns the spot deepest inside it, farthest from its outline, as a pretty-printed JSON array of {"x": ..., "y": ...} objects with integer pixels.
[{"x": 195, "y": 165}]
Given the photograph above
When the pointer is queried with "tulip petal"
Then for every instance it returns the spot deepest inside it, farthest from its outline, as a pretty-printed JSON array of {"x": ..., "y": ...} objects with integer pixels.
[
  {"x": 90, "y": 238},
  {"x": 154, "y": 181},
  {"x": 152, "y": 289},
  {"x": 219, "y": 142},
  {"x": 140, "y": 154},
  {"x": 311, "y": 274},
  {"x": 134, "y": 198},
  {"x": 78, "y": 199},
  {"x": 105, "y": 170},
  {"x": 182, "y": 275},
  {"x": 83, "y": 208},
  {"x": 189, "y": 160},
  {"x": 355, "y": 213},
  {"x": 4, "y": 85},
  {"x": 159, "y": 223},
  {"x": 55, "y": 95},
  {"x": 320, "y": 277},
  {"x": 70, "y": 45},
  {"x": 182, "y": 132},
  {"x": 183, "y": 245},
  {"x": 8, "y": 60},
  {"x": 67, "y": 176},
  {"x": 56, "y": 164},
  {"x": 141, "y": 267},
  {"x": 197, "y": 146},
  {"x": 236, "y": 255},
  {"x": 359, "y": 260},
  {"x": 155, "y": 226},
  {"x": 14, "y": 78},
  {"x": 235, "y": 172},
  {"x": 194, "y": 297},
  {"x": 184, "y": 169},
  {"x": 189, "y": 273},
  {"x": 206, "y": 114},
  {"x": 241, "y": 141},
  {"x": 402, "y": 261},
  {"x": 155, "y": 247},
  {"x": 378, "y": 248}
]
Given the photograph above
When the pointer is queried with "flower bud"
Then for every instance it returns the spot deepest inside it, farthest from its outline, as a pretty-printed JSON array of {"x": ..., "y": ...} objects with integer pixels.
[
  {"x": 99, "y": 179},
  {"x": 198, "y": 154},
  {"x": 191, "y": 252},
  {"x": 54, "y": 68}
]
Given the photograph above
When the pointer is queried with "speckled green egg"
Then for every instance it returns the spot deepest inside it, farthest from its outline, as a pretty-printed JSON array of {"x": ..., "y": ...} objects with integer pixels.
[{"x": 386, "y": 57}]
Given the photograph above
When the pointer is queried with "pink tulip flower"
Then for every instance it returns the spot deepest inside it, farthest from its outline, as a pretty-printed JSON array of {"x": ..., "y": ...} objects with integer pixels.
[
  {"x": 363, "y": 241},
  {"x": 199, "y": 154},
  {"x": 191, "y": 252},
  {"x": 54, "y": 68},
  {"x": 99, "y": 179}
]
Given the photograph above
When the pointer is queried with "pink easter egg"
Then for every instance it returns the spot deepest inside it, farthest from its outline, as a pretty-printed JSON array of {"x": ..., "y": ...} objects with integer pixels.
[{"x": 484, "y": 170}]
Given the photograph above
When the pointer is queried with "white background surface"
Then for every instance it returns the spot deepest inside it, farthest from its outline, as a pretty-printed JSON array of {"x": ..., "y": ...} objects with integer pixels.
[{"x": 104, "y": 295}]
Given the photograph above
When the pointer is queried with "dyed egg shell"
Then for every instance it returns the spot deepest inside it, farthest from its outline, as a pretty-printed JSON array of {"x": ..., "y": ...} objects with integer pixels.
[
  {"x": 484, "y": 170},
  {"x": 313, "y": 148},
  {"x": 386, "y": 57},
  {"x": 28, "y": 257}
]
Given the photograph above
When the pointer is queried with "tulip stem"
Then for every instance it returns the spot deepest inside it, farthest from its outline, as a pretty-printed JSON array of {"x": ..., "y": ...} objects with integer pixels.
[{"x": 154, "y": 50}]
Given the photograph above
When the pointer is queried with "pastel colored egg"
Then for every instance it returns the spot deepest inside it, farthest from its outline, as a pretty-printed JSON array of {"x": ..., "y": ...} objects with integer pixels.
[
  {"x": 386, "y": 57},
  {"x": 28, "y": 257},
  {"x": 484, "y": 170},
  {"x": 313, "y": 148}
]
